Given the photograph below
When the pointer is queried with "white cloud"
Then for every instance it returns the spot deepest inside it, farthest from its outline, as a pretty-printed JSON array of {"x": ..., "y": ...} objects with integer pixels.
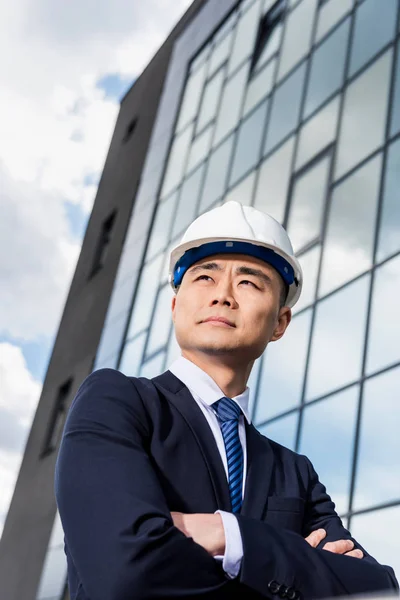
[{"x": 19, "y": 394}]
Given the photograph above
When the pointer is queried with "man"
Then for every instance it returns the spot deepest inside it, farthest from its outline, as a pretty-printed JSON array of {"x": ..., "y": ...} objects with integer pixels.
[{"x": 165, "y": 489}]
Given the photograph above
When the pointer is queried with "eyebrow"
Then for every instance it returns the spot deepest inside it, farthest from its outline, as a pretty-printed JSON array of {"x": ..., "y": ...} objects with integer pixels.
[{"x": 243, "y": 270}]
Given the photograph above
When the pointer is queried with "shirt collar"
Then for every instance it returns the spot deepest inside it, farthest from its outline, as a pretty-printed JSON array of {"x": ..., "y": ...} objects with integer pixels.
[{"x": 199, "y": 382}]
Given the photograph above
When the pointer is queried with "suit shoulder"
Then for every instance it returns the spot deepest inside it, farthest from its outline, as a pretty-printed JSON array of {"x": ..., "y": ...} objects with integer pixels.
[{"x": 287, "y": 455}]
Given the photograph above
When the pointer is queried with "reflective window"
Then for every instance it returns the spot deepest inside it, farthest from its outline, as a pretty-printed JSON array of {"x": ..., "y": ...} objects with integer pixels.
[
  {"x": 215, "y": 181},
  {"x": 173, "y": 350},
  {"x": 221, "y": 52},
  {"x": 145, "y": 296},
  {"x": 269, "y": 33},
  {"x": 318, "y": 132},
  {"x": 209, "y": 103},
  {"x": 389, "y": 234},
  {"x": 201, "y": 58},
  {"x": 154, "y": 366},
  {"x": 111, "y": 339},
  {"x": 191, "y": 98},
  {"x": 132, "y": 355},
  {"x": 367, "y": 530},
  {"x": 395, "y": 124},
  {"x": 161, "y": 226},
  {"x": 384, "y": 330},
  {"x": 285, "y": 108},
  {"x": 331, "y": 423},
  {"x": 378, "y": 466},
  {"x": 186, "y": 210},
  {"x": 283, "y": 430},
  {"x": 279, "y": 393},
  {"x": 364, "y": 115},
  {"x": 327, "y": 68},
  {"x": 374, "y": 28},
  {"x": 349, "y": 241},
  {"x": 177, "y": 161},
  {"x": 330, "y": 13},
  {"x": 297, "y": 39},
  {"x": 161, "y": 321},
  {"x": 245, "y": 37},
  {"x": 54, "y": 574},
  {"x": 121, "y": 297},
  {"x": 338, "y": 339},
  {"x": 259, "y": 86},
  {"x": 231, "y": 104},
  {"x": 273, "y": 181},
  {"x": 252, "y": 383},
  {"x": 309, "y": 262},
  {"x": 200, "y": 148},
  {"x": 248, "y": 144},
  {"x": 243, "y": 192},
  {"x": 308, "y": 201}
]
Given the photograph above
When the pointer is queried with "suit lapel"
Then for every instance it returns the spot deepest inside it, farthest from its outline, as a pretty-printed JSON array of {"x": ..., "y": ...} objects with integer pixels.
[
  {"x": 260, "y": 465},
  {"x": 178, "y": 394}
]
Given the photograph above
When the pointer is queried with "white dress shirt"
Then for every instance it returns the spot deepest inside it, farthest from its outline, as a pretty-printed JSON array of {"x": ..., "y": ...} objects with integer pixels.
[{"x": 205, "y": 392}]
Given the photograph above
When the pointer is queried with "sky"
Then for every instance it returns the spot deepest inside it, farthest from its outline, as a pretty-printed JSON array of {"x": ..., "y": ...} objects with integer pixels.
[{"x": 64, "y": 67}]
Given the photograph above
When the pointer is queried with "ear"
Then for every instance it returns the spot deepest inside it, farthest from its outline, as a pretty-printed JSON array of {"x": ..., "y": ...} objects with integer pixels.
[
  {"x": 173, "y": 305},
  {"x": 284, "y": 318}
]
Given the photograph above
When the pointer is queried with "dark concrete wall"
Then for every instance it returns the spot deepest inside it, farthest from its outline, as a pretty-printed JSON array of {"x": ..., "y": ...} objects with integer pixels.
[{"x": 30, "y": 519}]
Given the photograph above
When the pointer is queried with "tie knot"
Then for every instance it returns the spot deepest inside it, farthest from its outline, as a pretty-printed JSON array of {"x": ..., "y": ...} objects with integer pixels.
[{"x": 227, "y": 410}]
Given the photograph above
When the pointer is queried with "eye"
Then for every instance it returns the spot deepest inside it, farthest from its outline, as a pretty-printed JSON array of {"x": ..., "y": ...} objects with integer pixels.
[
  {"x": 246, "y": 281},
  {"x": 204, "y": 278}
]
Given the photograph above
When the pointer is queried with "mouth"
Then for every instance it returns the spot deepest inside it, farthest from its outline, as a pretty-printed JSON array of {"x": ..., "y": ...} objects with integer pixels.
[{"x": 221, "y": 321}]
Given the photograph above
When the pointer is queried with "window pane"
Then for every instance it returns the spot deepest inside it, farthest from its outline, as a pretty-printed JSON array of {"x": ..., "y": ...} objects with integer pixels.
[
  {"x": 271, "y": 47},
  {"x": 231, "y": 104},
  {"x": 161, "y": 227},
  {"x": 188, "y": 198},
  {"x": 395, "y": 125},
  {"x": 378, "y": 467},
  {"x": 161, "y": 322},
  {"x": 273, "y": 181},
  {"x": 389, "y": 234},
  {"x": 200, "y": 148},
  {"x": 327, "y": 68},
  {"x": 176, "y": 161},
  {"x": 331, "y": 423},
  {"x": 243, "y": 192},
  {"x": 215, "y": 182},
  {"x": 145, "y": 297},
  {"x": 259, "y": 86},
  {"x": 349, "y": 242},
  {"x": 283, "y": 430},
  {"x": 308, "y": 201},
  {"x": 318, "y": 132},
  {"x": 374, "y": 28},
  {"x": 111, "y": 339},
  {"x": 338, "y": 339},
  {"x": 209, "y": 103},
  {"x": 245, "y": 36},
  {"x": 330, "y": 13},
  {"x": 191, "y": 98},
  {"x": 384, "y": 332},
  {"x": 132, "y": 356},
  {"x": 201, "y": 58},
  {"x": 247, "y": 150},
  {"x": 221, "y": 52},
  {"x": 279, "y": 393},
  {"x": 121, "y": 298},
  {"x": 154, "y": 366},
  {"x": 365, "y": 108},
  {"x": 309, "y": 262},
  {"x": 297, "y": 38},
  {"x": 285, "y": 108},
  {"x": 54, "y": 574},
  {"x": 367, "y": 530}
]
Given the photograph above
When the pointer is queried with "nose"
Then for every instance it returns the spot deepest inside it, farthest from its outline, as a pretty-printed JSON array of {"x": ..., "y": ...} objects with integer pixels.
[{"x": 223, "y": 295}]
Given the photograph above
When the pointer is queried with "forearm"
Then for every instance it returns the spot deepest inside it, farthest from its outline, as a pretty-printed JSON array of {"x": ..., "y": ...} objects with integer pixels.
[{"x": 276, "y": 555}]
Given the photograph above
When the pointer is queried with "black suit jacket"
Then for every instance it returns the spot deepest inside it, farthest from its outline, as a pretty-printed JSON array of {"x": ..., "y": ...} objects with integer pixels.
[{"x": 133, "y": 450}]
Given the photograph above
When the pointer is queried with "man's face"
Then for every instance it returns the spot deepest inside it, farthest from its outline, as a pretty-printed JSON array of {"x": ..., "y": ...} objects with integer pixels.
[{"x": 229, "y": 305}]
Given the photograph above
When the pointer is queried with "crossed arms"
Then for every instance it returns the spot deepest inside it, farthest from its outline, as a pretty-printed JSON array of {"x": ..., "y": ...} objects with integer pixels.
[{"x": 121, "y": 535}]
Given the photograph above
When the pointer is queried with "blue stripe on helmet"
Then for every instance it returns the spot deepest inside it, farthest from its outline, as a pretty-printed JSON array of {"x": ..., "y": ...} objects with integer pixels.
[{"x": 193, "y": 255}]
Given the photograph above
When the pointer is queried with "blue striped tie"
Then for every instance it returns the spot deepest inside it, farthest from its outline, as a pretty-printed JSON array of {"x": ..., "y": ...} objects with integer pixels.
[{"x": 228, "y": 413}]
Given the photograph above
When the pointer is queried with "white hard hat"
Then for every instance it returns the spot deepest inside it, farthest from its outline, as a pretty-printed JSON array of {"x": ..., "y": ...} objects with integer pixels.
[{"x": 234, "y": 228}]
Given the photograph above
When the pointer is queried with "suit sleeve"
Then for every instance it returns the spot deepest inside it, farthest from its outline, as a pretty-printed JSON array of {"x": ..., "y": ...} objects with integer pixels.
[
  {"x": 286, "y": 564},
  {"x": 117, "y": 524}
]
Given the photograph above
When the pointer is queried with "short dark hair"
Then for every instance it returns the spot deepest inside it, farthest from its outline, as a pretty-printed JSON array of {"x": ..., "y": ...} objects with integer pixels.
[{"x": 284, "y": 293}]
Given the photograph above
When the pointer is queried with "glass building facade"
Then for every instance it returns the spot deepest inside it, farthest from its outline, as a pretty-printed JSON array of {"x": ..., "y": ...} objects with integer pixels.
[{"x": 293, "y": 107}]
